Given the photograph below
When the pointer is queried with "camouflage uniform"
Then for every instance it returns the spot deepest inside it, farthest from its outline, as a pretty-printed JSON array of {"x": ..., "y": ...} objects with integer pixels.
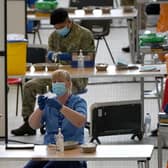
[{"x": 78, "y": 38}]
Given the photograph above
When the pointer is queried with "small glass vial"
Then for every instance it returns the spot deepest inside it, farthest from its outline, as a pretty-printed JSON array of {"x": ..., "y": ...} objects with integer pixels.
[
  {"x": 60, "y": 141},
  {"x": 80, "y": 59}
]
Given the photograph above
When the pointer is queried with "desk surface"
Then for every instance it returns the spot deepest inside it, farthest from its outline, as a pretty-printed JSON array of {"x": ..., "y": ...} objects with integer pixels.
[
  {"x": 92, "y": 72},
  {"x": 103, "y": 152},
  {"x": 97, "y": 14}
]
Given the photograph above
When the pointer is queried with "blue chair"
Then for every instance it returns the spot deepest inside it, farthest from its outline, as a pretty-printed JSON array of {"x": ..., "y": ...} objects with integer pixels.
[
  {"x": 33, "y": 28},
  {"x": 31, "y": 3}
]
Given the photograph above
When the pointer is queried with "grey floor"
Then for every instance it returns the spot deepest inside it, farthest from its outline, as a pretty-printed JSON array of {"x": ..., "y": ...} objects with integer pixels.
[{"x": 117, "y": 39}]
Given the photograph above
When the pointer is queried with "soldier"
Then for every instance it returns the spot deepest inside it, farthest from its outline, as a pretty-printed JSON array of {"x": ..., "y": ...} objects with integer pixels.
[{"x": 67, "y": 37}]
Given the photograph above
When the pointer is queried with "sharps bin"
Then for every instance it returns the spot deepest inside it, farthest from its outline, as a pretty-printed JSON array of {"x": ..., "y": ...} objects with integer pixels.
[{"x": 16, "y": 57}]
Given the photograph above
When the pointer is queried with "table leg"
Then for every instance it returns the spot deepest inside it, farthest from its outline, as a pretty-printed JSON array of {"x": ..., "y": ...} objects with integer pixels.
[
  {"x": 159, "y": 138},
  {"x": 131, "y": 36},
  {"x": 143, "y": 163},
  {"x": 142, "y": 103},
  {"x": 146, "y": 164},
  {"x": 140, "y": 163}
]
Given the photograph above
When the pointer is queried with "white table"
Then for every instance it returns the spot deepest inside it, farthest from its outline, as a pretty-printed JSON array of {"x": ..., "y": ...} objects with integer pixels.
[
  {"x": 97, "y": 14},
  {"x": 140, "y": 153},
  {"x": 92, "y": 72}
]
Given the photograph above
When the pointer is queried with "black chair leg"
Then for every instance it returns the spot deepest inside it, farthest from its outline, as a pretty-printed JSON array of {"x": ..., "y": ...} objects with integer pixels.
[
  {"x": 34, "y": 37},
  {"x": 97, "y": 45},
  {"x": 109, "y": 50},
  {"x": 38, "y": 33}
]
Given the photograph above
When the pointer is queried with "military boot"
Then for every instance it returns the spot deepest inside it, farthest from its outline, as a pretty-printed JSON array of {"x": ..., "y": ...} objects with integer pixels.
[{"x": 24, "y": 129}]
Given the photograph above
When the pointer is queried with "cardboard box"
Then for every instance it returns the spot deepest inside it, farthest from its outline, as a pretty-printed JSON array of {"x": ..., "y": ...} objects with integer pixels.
[{"x": 16, "y": 57}]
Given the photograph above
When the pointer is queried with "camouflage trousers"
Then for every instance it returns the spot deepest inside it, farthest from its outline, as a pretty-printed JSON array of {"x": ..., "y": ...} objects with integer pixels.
[{"x": 38, "y": 86}]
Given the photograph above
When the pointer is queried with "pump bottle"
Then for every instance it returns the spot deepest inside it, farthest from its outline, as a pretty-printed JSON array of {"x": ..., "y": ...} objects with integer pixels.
[
  {"x": 60, "y": 141},
  {"x": 80, "y": 59}
]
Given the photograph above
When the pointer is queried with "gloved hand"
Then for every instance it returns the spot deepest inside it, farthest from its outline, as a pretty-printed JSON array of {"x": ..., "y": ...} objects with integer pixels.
[
  {"x": 53, "y": 56},
  {"x": 42, "y": 102},
  {"x": 54, "y": 103}
]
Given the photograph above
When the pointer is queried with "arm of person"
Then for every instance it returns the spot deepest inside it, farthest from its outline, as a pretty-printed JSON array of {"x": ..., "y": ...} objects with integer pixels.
[
  {"x": 73, "y": 116},
  {"x": 53, "y": 42},
  {"x": 35, "y": 119},
  {"x": 77, "y": 115},
  {"x": 87, "y": 41}
]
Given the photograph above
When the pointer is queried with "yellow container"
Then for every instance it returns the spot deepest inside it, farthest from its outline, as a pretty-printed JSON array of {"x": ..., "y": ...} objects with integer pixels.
[{"x": 16, "y": 57}]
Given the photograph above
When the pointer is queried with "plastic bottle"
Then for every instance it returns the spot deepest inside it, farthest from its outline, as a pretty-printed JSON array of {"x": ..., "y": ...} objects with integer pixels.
[
  {"x": 80, "y": 59},
  {"x": 60, "y": 141},
  {"x": 147, "y": 124}
]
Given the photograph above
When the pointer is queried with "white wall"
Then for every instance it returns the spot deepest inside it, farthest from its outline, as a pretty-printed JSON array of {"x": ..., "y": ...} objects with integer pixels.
[{"x": 16, "y": 16}]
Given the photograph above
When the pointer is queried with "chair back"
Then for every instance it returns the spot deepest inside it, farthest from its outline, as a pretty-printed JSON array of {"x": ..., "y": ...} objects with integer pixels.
[
  {"x": 32, "y": 25},
  {"x": 99, "y": 28},
  {"x": 36, "y": 54}
]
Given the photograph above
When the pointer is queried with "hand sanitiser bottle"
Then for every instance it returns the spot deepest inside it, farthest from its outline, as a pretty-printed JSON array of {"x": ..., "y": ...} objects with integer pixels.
[
  {"x": 80, "y": 59},
  {"x": 60, "y": 141}
]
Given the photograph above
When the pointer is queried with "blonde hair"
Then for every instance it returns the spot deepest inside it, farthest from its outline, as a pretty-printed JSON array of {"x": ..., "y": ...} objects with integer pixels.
[
  {"x": 60, "y": 73},
  {"x": 64, "y": 75}
]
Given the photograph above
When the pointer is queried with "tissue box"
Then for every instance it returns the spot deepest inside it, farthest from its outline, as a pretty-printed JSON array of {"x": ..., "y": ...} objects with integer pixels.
[
  {"x": 89, "y": 59},
  {"x": 16, "y": 57}
]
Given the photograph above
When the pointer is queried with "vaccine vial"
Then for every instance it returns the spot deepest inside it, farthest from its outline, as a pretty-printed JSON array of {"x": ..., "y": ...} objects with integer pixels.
[{"x": 59, "y": 141}]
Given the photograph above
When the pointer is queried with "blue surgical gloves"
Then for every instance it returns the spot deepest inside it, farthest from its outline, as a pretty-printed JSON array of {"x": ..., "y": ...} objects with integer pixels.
[
  {"x": 58, "y": 56},
  {"x": 41, "y": 102},
  {"x": 53, "y": 56},
  {"x": 54, "y": 103},
  {"x": 51, "y": 102}
]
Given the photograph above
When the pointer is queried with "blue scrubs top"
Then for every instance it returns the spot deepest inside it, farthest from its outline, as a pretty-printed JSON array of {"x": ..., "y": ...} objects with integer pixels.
[{"x": 53, "y": 120}]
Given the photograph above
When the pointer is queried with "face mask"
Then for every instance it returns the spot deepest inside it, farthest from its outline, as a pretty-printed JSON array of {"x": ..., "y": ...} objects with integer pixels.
[
  {"x": 63, "y": 32},
  {"x": 59, "y": 88}
]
